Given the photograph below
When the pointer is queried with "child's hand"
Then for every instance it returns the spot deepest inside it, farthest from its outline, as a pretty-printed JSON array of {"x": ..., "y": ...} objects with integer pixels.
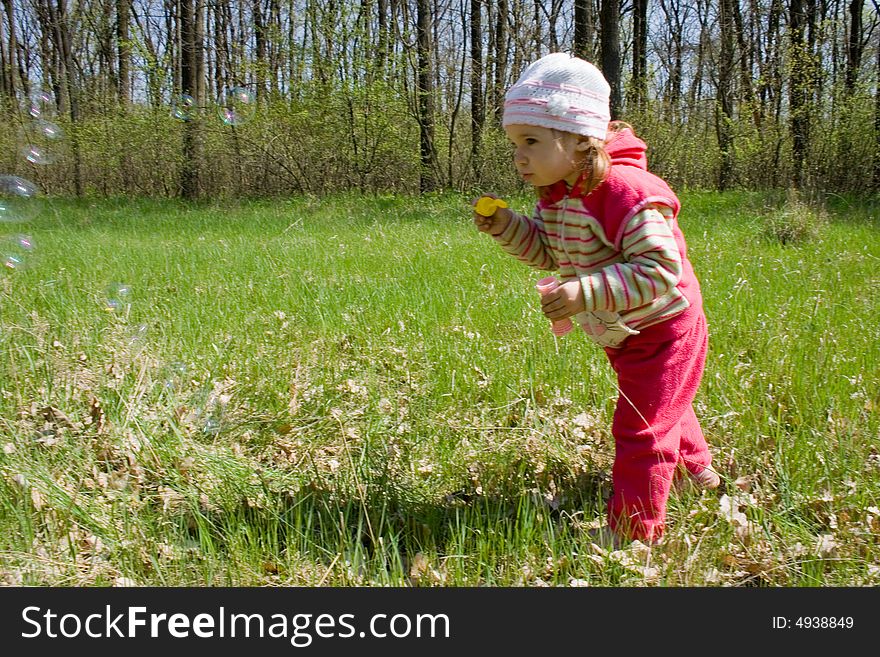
[
  {"x": 494, "y": 224},
  {"x": 565, "y": 301}
]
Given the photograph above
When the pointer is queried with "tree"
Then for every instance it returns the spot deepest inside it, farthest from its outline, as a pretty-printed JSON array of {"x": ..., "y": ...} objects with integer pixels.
[
  {"x": 583, "y": 29},
  {"x": 610, "y": 44},
  {"x": 724, "y": 103},
  {"x": 800, "y": 87},
  {"x": 123, "y": 52},
  {"x": 478, "y": 110},
  {"x": 425, "y": 93},
  {"x": 384, "y": 36},
  {"x": 260, "y": 41},
  {"x": 500, "y": 60},
  {"x": 855, "y": 45},
  {"x": 190, "y": 53},
  {"x": 8, "y": 50},
  {"x": 639, "y": 93},
  {"x": 59, "y": 30},
  {"x": 877, "y": 113}
]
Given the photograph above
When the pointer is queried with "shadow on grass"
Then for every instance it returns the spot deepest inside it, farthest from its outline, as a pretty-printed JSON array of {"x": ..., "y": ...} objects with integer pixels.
[{"x": 381, "y": 534}]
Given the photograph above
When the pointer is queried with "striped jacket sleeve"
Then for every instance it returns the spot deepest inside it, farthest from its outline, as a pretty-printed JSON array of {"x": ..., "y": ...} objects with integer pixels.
[
  {"x": 651, "y": 267},
  {"x": 526, "y": 239}
]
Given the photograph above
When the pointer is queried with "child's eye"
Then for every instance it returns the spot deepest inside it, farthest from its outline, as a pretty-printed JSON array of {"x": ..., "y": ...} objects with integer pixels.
[{"x": 531, "y": 141}]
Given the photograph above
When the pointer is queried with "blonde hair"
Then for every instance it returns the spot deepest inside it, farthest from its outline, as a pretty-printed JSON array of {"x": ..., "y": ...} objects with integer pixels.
[{"x": 595, "y": 163}]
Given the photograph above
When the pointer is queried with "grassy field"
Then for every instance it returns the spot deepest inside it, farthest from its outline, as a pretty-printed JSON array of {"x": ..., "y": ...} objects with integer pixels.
[{"x": 363, "y": 391}]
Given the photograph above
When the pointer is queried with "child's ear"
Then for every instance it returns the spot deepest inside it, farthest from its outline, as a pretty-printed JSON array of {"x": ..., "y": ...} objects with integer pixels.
[{"x": 582, "y": 146}]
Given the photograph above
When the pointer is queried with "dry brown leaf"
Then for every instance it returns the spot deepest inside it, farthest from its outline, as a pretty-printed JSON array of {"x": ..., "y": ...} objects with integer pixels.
[
  {"x": 419, "y": 566},
  {"x": 185, "y": 465},
  {"x": 57, "y": 417},
  {"x": 826, "y": 546},
  {"x": 744, "y": 484},
  {"x": 124, "y": 582},
  {"x": 730, "y": 560},
  {"x": 36, "y": 499},
  {"x": 97, "y": 415}
]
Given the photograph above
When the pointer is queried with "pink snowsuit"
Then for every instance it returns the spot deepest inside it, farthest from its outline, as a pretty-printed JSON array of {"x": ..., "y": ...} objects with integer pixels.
[{"x": 643, "y": 304}]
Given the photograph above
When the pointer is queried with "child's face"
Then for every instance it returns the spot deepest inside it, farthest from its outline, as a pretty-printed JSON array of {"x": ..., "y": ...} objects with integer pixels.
[{"x": 544, "y": 156}]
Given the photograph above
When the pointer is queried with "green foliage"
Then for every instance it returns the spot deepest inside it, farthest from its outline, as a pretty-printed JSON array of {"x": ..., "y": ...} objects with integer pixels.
[
  {"x": 684, "y": 154},
  {"x": 495, "y": 170},
  {"x": 796, "y": 221},
  {"x": 362, "y": 135}
]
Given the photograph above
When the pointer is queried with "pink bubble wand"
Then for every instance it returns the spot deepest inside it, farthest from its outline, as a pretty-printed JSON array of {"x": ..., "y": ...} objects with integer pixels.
[{"x": 560, "y": 326}]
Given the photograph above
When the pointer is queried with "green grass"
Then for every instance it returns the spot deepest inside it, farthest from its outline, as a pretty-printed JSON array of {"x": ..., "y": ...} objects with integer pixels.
[{"x": 362, "y": 391}]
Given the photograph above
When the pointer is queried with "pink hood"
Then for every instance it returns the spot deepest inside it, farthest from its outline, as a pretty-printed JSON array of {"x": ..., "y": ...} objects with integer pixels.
[{"x": 625, "y": 148}]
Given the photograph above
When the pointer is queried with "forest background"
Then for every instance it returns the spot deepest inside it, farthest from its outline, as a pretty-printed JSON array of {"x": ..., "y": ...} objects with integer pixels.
[{"x": 393, "y": 96}]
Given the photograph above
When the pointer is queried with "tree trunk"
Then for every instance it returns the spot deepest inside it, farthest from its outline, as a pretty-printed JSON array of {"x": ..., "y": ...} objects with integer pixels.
[
  {"x": 478, "y": 110},
  {"x": 425, "y": 91},
  {"x": 877, "y": 117},
  {"x": 383, "y": 36},
  {"x": 610, "y": 44},
  {"x": 222, "y": 54},
  {"x": 260, "y": 43},
  {"x": 799, "y": 85},
  {"x": 63, "y": 38},
  {"x": 8, "y": 54},
  {"x": 553, "y": 20},
  {"x": 775, "y": 46},
  {"x": 123, "y": 51},
  {"x": 501, "y": 42},
  {"x": 539, "y": 33},
  {"x": 724, "y": 104},
  {"x": 640, "y": 55},
  {"x": 276, "y": 30},
  {"x": 199, "y": 50},
  {"x": 107, "y": 55},
  {"x": 50, "y": 61},
  {"x": 190, "y": 183},
  {"x": 854, "y": 46},
  {"x": 583, "y": 29}
]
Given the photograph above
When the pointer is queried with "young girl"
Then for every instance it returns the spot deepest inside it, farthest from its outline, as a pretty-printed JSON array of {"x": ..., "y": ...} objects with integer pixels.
[{"x": 609, "y": 227}]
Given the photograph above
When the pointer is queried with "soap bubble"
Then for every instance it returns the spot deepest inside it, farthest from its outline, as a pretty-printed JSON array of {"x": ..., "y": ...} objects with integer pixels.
[
  {"x": 174, "y": 376},
  {"x": 237, "y": 106},
  {"x": 118, "y": 297},
  {"x": 211, "y": 426},
  {"x": 16, "y": 252},
  {"x": 17, "y": 202},
  {"x": 41, "y": 104},
  {"x": 40, "y": 141},
  {"x": 208, "y": 408},
  {"x": 137, "y": 337},
  {"x": 183, "y": 107}
]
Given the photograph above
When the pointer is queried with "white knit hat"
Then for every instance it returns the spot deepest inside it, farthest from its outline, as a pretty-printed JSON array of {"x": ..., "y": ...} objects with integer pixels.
[{"x": 561, "y": 92}]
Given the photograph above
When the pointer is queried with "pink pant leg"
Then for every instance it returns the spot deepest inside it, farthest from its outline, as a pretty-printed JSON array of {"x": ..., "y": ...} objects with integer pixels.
[
  {"x": 654, "y": 418},
  {"x": 693, "y": 451}
]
